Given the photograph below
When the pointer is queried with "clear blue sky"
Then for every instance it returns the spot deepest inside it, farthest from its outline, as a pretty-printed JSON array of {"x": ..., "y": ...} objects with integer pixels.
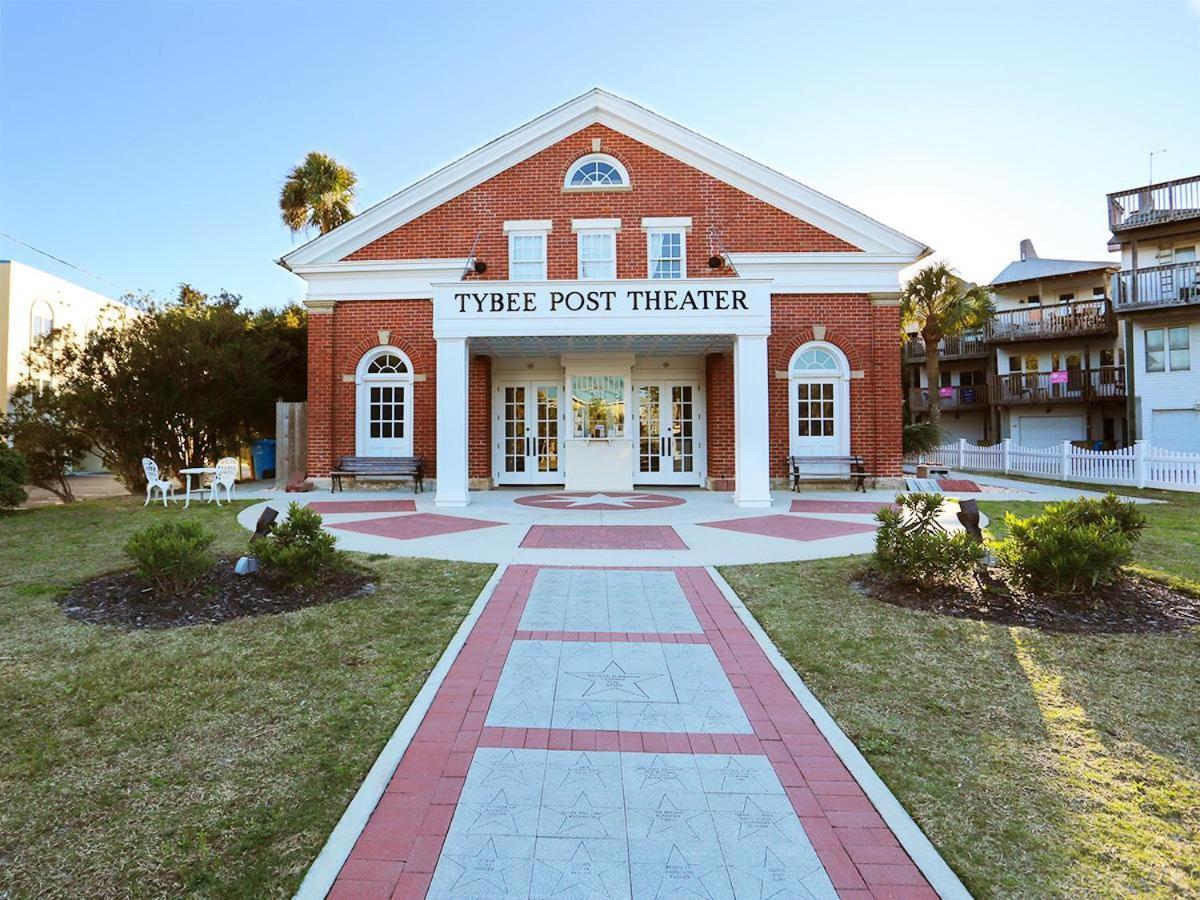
[{"x": 147, "y": 141}]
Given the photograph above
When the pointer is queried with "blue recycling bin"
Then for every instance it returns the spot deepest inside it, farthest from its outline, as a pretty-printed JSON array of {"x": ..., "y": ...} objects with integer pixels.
[{"x": 263, "y": 453}]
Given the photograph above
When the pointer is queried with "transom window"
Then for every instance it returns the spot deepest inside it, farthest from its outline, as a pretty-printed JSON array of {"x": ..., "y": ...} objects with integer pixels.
[
  {"x": 387, "y": 364},
  {"x": 816, "y": 359},
  {"x": 596, "y": 172},
  {"x": 666, "y": 254}
]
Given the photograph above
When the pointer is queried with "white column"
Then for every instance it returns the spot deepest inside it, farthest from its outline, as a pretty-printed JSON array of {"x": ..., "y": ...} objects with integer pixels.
[
  {"x": 452, "y": 422},
  {"x": 751, "y": 433}
]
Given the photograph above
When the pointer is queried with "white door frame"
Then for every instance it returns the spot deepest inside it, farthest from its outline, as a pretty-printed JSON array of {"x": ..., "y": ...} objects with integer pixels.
[
  {"x": 363, "y": 382},
  {"x": 666, "y": 474},
  {"x": 531, "y": 475},
  {"x": 840, "y": 378}
]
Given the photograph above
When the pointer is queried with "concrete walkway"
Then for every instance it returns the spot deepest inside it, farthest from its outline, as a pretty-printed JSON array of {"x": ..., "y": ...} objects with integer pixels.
[
  {"x": 599, "y": 732},
  {"x": 654, "y": 528}
]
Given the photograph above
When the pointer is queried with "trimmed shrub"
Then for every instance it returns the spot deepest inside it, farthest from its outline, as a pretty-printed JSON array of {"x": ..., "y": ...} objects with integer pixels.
[
  {"x": 1071, "y": 546},
  {"x": 173, "y": 556},
  {"x": 911, "y": 545},
  {"x": 13, "y": 474},
  {"x": 298, "y": 549}
]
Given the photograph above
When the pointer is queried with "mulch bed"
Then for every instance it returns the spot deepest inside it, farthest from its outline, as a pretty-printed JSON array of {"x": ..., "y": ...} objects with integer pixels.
[
  {"x": 125, "y": 600},
  {"x": 1131, "y": 605}
]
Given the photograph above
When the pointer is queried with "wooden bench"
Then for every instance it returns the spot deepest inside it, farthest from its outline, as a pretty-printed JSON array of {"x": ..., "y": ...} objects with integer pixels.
[
  {"x": 380, "y": 467},
  {"x": 856, "y": 466}
]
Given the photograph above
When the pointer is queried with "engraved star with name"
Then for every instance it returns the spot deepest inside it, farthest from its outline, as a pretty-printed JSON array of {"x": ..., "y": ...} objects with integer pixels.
[{"x": 614, "y": 682}]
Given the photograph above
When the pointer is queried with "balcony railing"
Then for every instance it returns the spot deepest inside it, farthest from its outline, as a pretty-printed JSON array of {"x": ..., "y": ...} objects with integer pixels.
[
  {"x": 1175, "y": 285},
  {"x": 963, "y": 346},
  {"x": 950, "y": 398},
  {"x": 1154, "y": 204},
  {"x": 1035, "y": 323},
  {"x": 1070, "y": 386}
]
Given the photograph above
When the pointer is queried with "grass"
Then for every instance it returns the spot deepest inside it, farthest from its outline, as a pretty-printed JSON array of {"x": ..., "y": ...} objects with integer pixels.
[
  {"x": 1041, "y": 765},
  {"x": 204, "y": 761}
]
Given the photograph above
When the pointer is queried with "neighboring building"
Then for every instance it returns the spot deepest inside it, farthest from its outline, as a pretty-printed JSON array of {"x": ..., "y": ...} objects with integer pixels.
[
  {"x": 602, "y": 299},
  {"x": 32, "y": 303},
  {"x": 1157, "y": 296},
  {"x": 1048, "y": 368}
]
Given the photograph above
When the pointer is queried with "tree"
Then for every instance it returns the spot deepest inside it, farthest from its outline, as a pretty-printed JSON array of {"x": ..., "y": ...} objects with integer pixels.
[
  {"x": 12, "y": 475},
  {"x": 184, "y": 382},
  {"x": 318, "y": 193},
  {"x": 43, "y": 428},
  {"x": 941, "y": 305}
]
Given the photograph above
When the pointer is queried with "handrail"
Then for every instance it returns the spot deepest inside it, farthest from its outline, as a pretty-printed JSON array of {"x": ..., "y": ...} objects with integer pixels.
[
  {"x": 1071, "y": 385},
  {"x": 1077, "y": 317},
  {"x": 1154, "y": 204},
  {"x": 1177, "y": 284}
]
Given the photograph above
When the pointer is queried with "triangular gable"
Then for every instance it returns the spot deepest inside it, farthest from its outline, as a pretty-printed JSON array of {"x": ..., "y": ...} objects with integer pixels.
[{"x": 640, "y": 124}]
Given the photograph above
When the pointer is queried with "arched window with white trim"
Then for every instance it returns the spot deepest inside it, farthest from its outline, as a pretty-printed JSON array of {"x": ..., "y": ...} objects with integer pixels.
[
  {"x": 384, "y": 403},
  {"x": 819, "y": 401},
  {"x": 41, "y": 321},
  {"x": 596, "y": 172}
]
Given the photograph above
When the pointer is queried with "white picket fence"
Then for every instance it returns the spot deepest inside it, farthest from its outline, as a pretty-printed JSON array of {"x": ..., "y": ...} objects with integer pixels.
[{"x": 1138, "y": 466}]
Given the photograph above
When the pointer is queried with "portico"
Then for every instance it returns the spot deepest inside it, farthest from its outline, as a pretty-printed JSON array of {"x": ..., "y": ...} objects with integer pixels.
[{"x": 600, "y": 385}]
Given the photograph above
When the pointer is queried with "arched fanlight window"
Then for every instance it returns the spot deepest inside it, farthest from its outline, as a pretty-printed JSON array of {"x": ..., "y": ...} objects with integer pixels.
[
  {"x": 815, "y": 360},
  {"x": 387, "y": 364},
  {"x": 596, "y": 172}
]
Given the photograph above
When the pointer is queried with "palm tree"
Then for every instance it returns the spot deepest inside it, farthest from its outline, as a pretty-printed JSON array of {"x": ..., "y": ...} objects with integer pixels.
[
  {"x": 941, "y": 305},
  {"x": 318, "y": 193}
]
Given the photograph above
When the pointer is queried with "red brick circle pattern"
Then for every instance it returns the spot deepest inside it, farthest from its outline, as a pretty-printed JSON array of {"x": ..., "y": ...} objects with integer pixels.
[{"x": 614, "y": 500}]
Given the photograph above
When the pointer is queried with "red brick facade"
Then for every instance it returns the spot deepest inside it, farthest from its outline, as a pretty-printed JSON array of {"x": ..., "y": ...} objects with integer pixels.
[{"x": 723, "y": 217}]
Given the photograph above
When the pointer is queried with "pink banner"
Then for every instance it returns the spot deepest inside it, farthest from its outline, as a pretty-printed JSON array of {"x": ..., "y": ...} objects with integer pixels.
[
  {"x": 1058, "y": 377},
  {"x": 946, "y": 392}
]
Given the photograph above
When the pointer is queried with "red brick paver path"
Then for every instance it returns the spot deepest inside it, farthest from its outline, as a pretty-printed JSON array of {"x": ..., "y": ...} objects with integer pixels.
[
  {"x": 604, "y": 537},
  {"x": 397, "y": 852}
]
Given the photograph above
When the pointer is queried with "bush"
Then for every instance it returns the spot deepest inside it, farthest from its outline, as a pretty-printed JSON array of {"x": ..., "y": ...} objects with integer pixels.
[
  {"x": 1071, "y": 546},
  {"x": 921, "y": 437},
  {"x": 912, "y": 546},
  {"x": 298, "y": 549},
  {"x": 173, "y": 556},
  {"x": 13, "y": 474}
]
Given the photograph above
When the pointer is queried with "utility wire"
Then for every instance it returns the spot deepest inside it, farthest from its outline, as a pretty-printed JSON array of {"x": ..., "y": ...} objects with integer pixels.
[{"x": 59, "y": 259}]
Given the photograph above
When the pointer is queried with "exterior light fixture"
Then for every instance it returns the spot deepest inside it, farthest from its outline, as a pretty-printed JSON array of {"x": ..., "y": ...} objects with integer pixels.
[{"x": 716, "y": 261}]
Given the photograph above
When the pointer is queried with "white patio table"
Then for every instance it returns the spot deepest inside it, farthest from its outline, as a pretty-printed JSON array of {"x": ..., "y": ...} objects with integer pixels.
[{"x": 199, "y": 472}]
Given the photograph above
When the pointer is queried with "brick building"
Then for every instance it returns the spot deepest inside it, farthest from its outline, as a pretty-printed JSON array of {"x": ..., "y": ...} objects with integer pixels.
[{"x": 601, "y": 299}]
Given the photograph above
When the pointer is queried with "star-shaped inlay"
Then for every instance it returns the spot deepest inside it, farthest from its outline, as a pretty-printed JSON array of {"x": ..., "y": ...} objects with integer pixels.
[
  {"x": 716, "y": 721},
  {"x": 506, "y": 768},
  {"x": 736, "y": 774},
  {"x": 776, "y": 878},
  {"x": 682, "y": 878},
  {"x": 585, "y": 772},
  {"x": 753, "y": 819},
  {"x": 670, "y": 819},
  {"x": 483, "y": 868},
  {"x": 660, "y": 771},
  {"x": 579, "y": 815},
  {"x": 583, "y": 716},
  {"x": 580, "y": 875},
  {"x": 497, "y": 812},
  {"x": 613, "y": 681},
  {"x": 599, "y": 501}
]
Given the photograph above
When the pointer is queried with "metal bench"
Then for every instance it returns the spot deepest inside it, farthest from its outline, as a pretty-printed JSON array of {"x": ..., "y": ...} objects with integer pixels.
[
  {"x": 856, "y": 467},
  {"x": 380, "y": 467}
]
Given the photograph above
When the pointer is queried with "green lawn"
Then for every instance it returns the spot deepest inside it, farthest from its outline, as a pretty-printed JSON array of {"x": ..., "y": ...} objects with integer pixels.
[
  {"x": 205, "y": 761},
  {"x": 1041, "y": 765}
]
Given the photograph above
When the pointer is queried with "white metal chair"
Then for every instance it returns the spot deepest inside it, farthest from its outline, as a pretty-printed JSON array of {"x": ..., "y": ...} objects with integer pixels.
[
  {"x": 225, "y": 477},
  {"x": 153, "y": 483}
]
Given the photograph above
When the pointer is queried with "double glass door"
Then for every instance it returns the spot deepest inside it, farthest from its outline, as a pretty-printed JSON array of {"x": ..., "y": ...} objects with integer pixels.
[
  {"x": 529, "y": 416},
  {"x": 669, "y": 449}
]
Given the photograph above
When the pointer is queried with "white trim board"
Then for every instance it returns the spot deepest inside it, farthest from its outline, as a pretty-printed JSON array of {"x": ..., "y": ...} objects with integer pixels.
[
  {"x": 325, "y": 868},
  {"x": 926, "y": 857},
  {"x": 601, "y": 107}
]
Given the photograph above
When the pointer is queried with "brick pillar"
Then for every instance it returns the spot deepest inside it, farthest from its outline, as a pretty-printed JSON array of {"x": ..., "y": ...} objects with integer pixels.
[
  {"x": 886, "y": 400},
  {"x": 718, "y": 386},
  {"x": 479, "y": 426},
  {"x": 319, "y": 412}
]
